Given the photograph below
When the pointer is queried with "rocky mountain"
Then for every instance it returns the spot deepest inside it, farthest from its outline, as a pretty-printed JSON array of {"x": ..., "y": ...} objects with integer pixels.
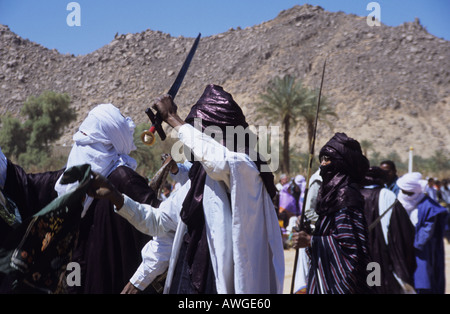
[{"x": 388, "y": 85}]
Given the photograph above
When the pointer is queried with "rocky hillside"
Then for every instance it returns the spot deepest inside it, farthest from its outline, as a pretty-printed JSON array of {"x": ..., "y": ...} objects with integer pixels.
[{"x": 389, "y": 85}]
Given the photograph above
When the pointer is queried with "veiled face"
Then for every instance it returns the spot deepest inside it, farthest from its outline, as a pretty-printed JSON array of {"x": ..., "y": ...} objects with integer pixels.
[
  {"x": 408, "y": 193},
  {"x": 325, "y": 160}
]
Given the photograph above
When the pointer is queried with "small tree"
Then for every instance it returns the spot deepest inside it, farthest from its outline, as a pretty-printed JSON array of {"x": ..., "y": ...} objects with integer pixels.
[
  {"x": 47, "y": 116},
  {"x": 365, "y": 146},
  {"x": 12, "y": 136}
]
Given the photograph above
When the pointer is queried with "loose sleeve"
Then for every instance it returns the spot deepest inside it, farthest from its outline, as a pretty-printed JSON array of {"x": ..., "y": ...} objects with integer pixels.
[
  {"x": 154, "y": 221},
  {"x": 31, "y": 192},
  {"x": 155, "y": 260},
  {"x": 182, "y": 176},
  {"x": 425, "y": 232},
  {"x": 143, "y": 217},
  {"x": 212, "y": 155}
]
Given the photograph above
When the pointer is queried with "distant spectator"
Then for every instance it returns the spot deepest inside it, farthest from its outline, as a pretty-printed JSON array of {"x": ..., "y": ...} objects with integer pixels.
[
  {"x": 166, "y": 190},
  {"x": 430, "y": 190},
  {"x": 391, "y": 170},
  {"x": 429, "y": 219}
]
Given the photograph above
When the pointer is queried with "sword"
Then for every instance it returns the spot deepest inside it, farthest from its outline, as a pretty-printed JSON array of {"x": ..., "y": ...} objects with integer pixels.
[
  {"x": 148, "y": 137},
  {"x": 311, "y": 156}
]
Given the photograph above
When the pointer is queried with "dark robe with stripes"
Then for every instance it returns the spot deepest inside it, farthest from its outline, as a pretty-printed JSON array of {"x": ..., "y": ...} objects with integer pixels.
[{"x": 339, "y": 254}]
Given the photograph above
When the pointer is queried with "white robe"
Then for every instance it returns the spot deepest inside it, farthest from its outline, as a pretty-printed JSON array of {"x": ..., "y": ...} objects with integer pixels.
[
  {"x": 156, "y": 253},
  {"x": 244, "y": 239}
]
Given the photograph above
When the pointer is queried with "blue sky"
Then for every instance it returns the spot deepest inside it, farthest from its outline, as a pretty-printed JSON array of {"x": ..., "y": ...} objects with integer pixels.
[{"x": 44, "y": 21}]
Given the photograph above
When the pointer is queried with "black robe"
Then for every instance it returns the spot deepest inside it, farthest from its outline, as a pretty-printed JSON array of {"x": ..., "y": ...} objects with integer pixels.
[
  {"x": 109, "y": 248},
  {"x": 30, "y": 192},
  {"x": 396, "y": 256}
]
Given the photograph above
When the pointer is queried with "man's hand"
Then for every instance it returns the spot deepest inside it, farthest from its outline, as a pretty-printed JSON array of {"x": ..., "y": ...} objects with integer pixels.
[
  {"x": 300, "y": 240},
  {"x": 101, "y": 188},
  {"x": 167, "y": 109},
  {"x": 130, "y": 289}
]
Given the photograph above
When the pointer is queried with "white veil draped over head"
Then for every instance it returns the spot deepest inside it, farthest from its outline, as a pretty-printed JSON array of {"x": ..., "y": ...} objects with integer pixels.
[
  {"x": 104, "y": 140},
  {"x": 410, "y": 182}
]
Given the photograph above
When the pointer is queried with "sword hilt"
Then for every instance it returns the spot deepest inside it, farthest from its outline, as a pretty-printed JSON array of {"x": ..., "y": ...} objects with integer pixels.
[{"x": 148, "y": 137}]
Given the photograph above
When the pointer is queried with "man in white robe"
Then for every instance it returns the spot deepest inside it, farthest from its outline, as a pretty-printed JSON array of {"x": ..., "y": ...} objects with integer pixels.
[
  {"x": 156, "y": 253},
  {"x": 243, "y": 236}
]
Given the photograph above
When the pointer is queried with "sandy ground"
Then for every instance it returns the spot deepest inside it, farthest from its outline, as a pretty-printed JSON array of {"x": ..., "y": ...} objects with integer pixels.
[{"x": 289, "y": 256}]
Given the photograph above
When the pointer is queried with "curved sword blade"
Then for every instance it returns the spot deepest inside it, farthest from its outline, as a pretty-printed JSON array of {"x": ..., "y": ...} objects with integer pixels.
[
  {"x": 176, "y": 85},
  {"x": 156, "y": 119}
]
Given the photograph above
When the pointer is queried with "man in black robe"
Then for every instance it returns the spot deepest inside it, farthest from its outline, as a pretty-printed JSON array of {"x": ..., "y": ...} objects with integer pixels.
[
  {"x": 108, "y": 248},
  {"x": 23, "y": 195},
  {"x": 393, "y": 251},
  {"x": 338, "y": 246},
  {"x": 30, "y": 192}
]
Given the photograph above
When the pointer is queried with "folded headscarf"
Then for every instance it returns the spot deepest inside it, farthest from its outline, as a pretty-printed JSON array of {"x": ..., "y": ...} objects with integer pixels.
[
  {"x": 410, "y": 182},
  {"x": 341, "y": 178},
  {"x": 104, "y": 140},
  {"x": 300, "y": 181}
]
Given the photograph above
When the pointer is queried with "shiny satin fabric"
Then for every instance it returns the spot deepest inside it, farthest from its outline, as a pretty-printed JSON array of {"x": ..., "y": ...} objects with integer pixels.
[
  {"x": 216, "y": 107},
  {"x": 341, "y": 178}
]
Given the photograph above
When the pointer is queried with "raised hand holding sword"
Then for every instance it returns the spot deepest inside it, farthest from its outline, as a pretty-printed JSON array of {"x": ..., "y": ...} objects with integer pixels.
[{"x": 100, "y": 186}]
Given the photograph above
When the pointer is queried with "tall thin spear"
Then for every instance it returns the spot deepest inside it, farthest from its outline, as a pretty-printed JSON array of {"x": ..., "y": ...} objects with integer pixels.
[{"x": 311, "y": 156}]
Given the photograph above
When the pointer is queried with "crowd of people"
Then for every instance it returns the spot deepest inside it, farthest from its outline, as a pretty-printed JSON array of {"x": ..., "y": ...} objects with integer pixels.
[
  {"x": 407, "y": 219},
  {"x": 223, "y": 227}
]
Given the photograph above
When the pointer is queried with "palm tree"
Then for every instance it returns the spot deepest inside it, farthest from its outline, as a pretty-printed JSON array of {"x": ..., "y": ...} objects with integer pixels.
[
  {"x": 308, "y": 113},
  {"x": 288, "y": 101},
  {"x": 281, "y": 102}
]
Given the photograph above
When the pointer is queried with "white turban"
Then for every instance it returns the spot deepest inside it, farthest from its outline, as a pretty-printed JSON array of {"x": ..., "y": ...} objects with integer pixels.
[
  {"x": 104, "y": 140},
  {"x": 410, "y": 182},
  {"x": 299, "y": 180}
]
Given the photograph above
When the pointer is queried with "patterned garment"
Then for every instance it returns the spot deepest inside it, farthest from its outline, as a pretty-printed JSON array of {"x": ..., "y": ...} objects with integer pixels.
[
  {"x": 339, "y": 254},
  {"x": 38, "y": 262}
]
